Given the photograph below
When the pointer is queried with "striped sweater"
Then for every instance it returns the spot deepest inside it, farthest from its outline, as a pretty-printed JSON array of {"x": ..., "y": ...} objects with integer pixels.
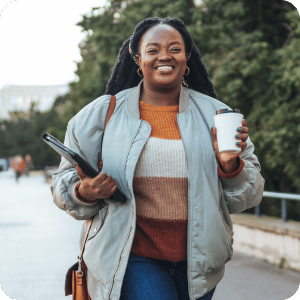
[{"x": 160, "y": 186}]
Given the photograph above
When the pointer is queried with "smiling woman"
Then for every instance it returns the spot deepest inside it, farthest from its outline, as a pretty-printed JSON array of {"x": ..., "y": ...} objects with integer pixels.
[{"x": 173, "y": 236}]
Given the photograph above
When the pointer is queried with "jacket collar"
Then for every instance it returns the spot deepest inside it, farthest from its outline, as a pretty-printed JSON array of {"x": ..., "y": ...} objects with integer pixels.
[{"x": 134, "y": 97}]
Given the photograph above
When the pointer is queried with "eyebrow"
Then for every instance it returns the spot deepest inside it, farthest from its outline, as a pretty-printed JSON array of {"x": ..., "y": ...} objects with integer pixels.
[{"x": 156, "y": 44}]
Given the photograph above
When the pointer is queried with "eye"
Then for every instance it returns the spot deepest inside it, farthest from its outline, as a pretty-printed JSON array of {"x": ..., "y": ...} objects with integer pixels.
[
  {"x": 151, "y": 50},
  {"x": 175, "y": 49}
]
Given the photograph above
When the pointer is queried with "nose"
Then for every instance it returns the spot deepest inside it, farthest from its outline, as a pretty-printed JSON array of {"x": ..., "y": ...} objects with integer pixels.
[{"x": 164, "y": 55}]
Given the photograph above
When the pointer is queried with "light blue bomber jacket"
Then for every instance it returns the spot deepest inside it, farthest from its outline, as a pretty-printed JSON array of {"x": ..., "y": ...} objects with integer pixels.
[{"x": 211, "y": 199}]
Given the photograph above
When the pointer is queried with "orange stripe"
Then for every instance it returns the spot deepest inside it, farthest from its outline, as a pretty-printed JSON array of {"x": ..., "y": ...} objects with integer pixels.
[
  {"x": 163, "y": 120},
  {"x": 164, "y": 240}
]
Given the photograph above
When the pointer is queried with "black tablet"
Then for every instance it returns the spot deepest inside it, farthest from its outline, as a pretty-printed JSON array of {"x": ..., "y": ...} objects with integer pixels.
[{"x": 75, "y": 158}]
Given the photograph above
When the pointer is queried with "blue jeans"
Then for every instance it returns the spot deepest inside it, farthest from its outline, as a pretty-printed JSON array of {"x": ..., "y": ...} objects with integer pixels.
[{"x": 153, "y": 279}]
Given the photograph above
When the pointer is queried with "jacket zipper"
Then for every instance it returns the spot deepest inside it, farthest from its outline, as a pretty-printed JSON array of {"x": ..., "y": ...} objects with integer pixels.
[
  {"x": 117, "y": 267},
  {"x": 189, "y": 218},
  {"x": 115, "y": 271}
]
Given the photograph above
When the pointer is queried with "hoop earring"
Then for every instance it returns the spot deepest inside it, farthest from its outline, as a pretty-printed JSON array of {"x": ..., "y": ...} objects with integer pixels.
[
  {"x": 184, "y": 83},
  {"x": 188, "y": 71},
  {"x": 139, "y": 69}
]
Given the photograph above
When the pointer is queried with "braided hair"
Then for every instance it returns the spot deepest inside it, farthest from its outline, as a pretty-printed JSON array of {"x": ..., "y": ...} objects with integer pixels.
[{"x": 124, "y": 74}]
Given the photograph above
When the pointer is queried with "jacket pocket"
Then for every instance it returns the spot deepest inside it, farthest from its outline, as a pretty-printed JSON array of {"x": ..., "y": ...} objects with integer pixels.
[
  {"x": 98, "y": 222},
  {"x": 229, "y": 235}
]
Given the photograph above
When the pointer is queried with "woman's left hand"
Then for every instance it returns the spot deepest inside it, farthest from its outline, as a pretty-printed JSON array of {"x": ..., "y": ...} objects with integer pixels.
[{"x": 228, "y": 161}]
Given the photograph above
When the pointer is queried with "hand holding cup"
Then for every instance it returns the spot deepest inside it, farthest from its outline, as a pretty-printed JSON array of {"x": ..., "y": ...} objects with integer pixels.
[{"x": 228, "y": 159}]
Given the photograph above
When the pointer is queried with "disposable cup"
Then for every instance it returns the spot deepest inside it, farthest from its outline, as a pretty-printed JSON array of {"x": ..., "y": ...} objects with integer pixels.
[{"x": 226, "y": 123}]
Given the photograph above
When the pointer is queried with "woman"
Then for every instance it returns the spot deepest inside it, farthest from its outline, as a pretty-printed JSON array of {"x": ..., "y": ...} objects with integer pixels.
[{"x": 173, "y": 236}]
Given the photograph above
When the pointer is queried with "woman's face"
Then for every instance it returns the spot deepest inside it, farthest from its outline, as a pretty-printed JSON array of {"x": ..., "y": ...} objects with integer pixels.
[{"x": 162, "y": 56}]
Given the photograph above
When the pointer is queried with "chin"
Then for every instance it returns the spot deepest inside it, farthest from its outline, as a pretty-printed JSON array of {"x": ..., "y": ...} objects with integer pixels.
[{"x": 169, "y": 83}]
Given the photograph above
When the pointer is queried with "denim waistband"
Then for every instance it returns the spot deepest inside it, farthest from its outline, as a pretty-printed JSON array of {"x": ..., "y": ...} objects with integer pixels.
[{"x": 180, "y": 265}]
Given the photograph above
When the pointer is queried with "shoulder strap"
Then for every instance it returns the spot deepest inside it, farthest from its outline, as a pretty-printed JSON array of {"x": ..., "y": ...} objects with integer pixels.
[
  {"x": 85, "y": 238},
  {"x": 110, "y": 111}
]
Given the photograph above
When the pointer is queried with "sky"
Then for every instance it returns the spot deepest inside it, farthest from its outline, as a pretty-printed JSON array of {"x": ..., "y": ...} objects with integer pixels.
[{"x": 39, "y": 40}]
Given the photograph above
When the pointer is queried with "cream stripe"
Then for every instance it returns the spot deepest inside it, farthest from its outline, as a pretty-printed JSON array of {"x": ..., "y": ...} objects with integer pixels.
[
  {"x": 161, "y": 198},
  {"x": 162, "y": 158}
]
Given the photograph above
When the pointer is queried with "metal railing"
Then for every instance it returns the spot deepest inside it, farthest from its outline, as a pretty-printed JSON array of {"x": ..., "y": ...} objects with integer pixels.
[{"x": 284, "y": 197}]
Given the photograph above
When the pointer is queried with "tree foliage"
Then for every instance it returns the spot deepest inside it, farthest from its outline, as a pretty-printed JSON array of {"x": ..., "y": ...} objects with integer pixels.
[
  {"x": 254, "y": 60},
  {"x": 251, "y": 50},
  {"x": 22, "y": 133}
]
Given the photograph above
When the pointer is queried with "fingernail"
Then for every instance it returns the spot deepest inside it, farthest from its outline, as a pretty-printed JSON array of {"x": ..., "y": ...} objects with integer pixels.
[
  {"x": 245, "y": 121},
  {"x": 237, "y": 135},
  {"x": 239, "y": 129},
  {"x": 238, "y": 144}
]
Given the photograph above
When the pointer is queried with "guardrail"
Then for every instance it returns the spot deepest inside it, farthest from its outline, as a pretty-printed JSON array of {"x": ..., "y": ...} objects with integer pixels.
[{"x": 284, "y": 197}]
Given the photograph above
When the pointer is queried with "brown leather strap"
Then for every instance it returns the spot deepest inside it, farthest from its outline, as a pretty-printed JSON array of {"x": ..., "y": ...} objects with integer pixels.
[
  {"x": 85, "y": 238},
  {"x": 110, "y": 111}
]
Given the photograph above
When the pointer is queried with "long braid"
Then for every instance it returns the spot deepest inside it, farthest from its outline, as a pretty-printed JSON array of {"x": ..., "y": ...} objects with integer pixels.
[
  {"x": 124, "y": 74},
  {"x": 198, "y": 70}
]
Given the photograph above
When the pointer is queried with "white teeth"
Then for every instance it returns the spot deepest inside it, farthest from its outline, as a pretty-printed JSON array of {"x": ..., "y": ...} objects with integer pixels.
[{"x": 164, "y": 68}]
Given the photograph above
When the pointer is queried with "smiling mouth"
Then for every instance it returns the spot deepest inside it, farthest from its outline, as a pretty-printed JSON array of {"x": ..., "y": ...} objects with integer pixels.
[{"x": 164, "y": 68}]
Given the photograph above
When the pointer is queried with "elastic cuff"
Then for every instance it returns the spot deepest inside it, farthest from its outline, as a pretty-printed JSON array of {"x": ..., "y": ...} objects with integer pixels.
[
  {"x": 78, "y": 196},
  {"x": 234, "y": 174}
]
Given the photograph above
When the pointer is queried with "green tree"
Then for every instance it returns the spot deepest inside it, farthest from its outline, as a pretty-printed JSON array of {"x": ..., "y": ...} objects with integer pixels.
[
  {"x": 250, "y": 49},
  {"x": 21, "y": 134},
  {"x": 254, "y": 62}
]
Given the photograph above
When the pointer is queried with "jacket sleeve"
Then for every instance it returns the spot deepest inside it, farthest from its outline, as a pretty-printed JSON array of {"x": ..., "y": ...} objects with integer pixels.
[
  {"x": 245, "y": 190},
  {"x": 65, "y": 180}
]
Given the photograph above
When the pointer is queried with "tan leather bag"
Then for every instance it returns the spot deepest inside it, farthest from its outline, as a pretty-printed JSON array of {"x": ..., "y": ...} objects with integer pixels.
[{"x": 76, "y": 277}]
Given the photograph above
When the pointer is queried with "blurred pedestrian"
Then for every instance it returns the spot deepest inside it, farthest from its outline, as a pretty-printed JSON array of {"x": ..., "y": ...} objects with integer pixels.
[
  {"x": 29, "y": 164},
  {"x": 18, "y": 165}
]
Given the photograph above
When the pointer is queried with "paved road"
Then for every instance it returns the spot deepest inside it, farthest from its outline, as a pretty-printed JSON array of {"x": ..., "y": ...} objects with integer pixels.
[
  {"x": 249, "y": 278},
  {"x": 39, "y": 242}
]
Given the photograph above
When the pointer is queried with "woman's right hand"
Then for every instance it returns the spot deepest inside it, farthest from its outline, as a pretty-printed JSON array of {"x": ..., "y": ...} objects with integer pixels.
[{"x": 100, "y": 187}]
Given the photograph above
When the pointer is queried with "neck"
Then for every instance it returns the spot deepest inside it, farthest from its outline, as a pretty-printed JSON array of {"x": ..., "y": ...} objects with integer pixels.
[{"x": 160, "y": 97}]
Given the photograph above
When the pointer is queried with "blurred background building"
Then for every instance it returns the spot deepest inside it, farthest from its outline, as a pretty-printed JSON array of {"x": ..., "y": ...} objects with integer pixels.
[{"x": 20, "y": 97}]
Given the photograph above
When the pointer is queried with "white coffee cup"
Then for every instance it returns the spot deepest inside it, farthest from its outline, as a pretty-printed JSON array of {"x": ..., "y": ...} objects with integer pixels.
[{"x": 226, "y": 123}]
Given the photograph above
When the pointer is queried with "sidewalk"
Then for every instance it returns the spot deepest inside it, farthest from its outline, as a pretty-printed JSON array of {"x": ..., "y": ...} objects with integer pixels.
[
  {"x": 249, "y": 278},
  {"x": 39, "y": 242}
]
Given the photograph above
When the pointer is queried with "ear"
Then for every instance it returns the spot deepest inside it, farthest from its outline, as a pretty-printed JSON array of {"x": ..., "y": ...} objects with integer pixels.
[{"x": 138, "y": 59}]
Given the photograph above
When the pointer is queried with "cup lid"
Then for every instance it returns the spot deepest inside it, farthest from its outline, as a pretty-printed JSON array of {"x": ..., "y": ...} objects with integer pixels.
[{"x": 226, "y": 110}]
